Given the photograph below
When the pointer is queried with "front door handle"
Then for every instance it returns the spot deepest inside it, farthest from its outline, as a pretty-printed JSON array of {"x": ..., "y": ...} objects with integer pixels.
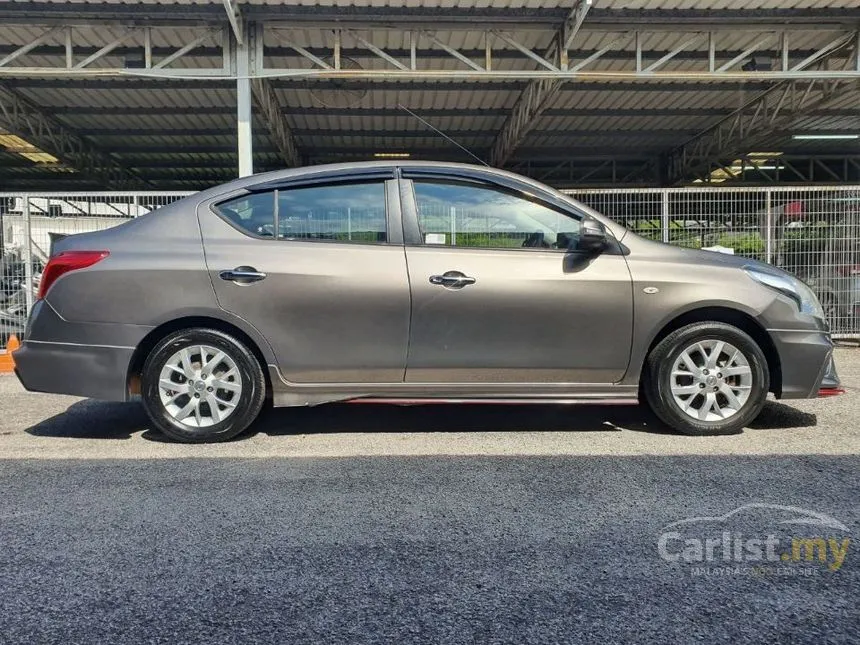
[
  {"x": 452, "y": 280},
  {"x": 242, "y": 275}
]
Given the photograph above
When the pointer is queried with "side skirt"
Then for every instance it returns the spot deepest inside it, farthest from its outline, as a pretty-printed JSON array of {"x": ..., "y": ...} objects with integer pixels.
[{"x": 287, "y": 394}]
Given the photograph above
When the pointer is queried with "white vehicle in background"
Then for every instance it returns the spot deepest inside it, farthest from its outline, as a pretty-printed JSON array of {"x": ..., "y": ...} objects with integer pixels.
[
  {"x": 50, "y": 218},
  {"x": 62, "y": 216}
]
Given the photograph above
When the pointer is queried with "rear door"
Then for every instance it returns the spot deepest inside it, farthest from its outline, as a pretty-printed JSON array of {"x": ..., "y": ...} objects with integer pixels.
[
  {"x": 497, "y": 297},
  {"x": 319, "y": 270}
]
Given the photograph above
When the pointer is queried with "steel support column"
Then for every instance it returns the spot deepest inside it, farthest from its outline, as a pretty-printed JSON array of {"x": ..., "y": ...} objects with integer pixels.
[{"x": 244, "y": 98}]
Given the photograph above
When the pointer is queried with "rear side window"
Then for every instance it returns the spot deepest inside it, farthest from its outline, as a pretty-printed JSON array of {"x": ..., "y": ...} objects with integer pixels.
[
  {"x": 352, "y": 212},
  {"x": 337, "y": 213}
]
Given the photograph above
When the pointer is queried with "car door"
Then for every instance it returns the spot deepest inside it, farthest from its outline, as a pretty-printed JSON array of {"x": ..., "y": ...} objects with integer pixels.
[
  {"x": 319, "y": 270},
  {"x": 497, "y": 297}
]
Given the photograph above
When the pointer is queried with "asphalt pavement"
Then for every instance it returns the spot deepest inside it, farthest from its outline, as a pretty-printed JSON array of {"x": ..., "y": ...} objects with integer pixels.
[{"x": 421, "y": 525}]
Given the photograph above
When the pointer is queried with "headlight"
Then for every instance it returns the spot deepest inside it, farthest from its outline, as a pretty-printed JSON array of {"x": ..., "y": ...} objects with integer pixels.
[{"x": 790, "y": 286}]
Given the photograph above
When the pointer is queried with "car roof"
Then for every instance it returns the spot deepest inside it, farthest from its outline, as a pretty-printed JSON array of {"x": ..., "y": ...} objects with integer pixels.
[
  {"x": 274, "y": 179},
  {"x": 288, "y": 175}
]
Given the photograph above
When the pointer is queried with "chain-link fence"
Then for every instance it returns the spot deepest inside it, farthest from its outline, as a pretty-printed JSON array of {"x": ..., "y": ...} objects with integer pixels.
[
  {"x": 30, "y": 223},
  {"x": 812, "y": 232}
]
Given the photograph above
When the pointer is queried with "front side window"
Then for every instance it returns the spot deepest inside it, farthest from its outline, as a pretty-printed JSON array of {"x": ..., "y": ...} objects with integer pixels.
[
  {"x": 336, "y": 213},
  {"x": 469, "y": 215},
  {"x": 339, "y": 213}
]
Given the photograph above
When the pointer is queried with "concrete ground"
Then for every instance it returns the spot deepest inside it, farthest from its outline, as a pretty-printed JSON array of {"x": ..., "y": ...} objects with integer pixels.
[{"x": 435, "y": 524}]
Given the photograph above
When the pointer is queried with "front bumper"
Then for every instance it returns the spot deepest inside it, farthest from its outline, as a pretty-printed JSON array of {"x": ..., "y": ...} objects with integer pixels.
[
  {"x": 81, "y": 370},
  {"x": 806, "y": 362}
]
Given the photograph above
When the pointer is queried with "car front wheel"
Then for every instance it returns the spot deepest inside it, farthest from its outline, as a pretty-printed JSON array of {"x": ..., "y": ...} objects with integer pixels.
[
  {"x": 707, "y": 378},
  {"x": 202, "y": 385}
]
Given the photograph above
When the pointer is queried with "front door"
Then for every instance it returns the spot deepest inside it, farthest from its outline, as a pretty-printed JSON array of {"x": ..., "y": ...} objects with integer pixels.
[
  {"x": 316, "y": 271},
  {"x": 497, "y": 297}
]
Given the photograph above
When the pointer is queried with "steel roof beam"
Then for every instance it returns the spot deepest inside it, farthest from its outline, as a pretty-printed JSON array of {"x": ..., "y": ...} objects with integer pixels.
[
  {"x": 270, "y": 108},
  {"x": 235, "y": 20},
  {"x": 72, "y": 111},
  {"x": 20, "y": 116},
  {"x": 407, "y": 134},
  {"x": 272, "y": 114},
  {"x": 537, "y": 95},
  {"x": 360, "y": 112},
  {"x": 159, "y": 151},
  {"x": 40, "y": 48},
  {"x": 144, "y": 84},
  {"x": 435, "y": 16},
  {"x": 761, "y": 119},
  {"x": 545, "y": 72}
]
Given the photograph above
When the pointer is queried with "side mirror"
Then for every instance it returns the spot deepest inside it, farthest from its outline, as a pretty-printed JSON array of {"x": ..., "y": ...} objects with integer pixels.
[{"x": 592, "y": 236}]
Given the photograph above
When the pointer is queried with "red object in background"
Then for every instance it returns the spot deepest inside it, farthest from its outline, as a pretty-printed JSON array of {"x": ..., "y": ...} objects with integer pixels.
[
  {"x": 793, "y": 210},
  {"x": 849, "y": 269},
  {"x": 65, "y": 262},
  {"x": 830, "y": 391}
]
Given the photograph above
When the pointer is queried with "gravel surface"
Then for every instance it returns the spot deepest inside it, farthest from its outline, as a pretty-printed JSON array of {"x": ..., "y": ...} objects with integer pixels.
[{"x": 399, "y": 525}]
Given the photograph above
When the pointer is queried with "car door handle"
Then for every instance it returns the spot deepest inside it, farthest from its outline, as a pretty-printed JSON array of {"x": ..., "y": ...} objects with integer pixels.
[
  {"x": 452, "y": 279},
  {"x": 242, "y": 275}
]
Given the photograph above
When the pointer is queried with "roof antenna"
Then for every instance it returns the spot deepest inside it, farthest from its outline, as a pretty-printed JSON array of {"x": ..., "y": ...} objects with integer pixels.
[{"x": 442, "y": 134}]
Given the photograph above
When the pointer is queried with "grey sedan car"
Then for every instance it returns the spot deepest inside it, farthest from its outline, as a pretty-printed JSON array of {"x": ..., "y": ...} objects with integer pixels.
[{"x": 412, "y": 283}]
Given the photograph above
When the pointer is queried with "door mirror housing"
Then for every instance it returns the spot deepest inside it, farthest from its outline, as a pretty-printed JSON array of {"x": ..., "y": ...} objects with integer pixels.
[{"x": 592, "y": 236}]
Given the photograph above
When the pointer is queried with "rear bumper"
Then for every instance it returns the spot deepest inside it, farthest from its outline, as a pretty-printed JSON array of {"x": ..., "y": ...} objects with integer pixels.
[
  {"x": 806, "y": 361},
  {"x": 82, "y": 359},
  {"x": 97, "y": 372}
]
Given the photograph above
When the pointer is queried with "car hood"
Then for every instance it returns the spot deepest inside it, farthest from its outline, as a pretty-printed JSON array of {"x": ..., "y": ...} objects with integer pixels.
[{"x": 698, "y": 257}]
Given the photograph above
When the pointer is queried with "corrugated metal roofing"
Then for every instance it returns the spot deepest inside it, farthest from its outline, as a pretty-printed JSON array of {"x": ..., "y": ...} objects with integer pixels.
[
  {"x": 180, "y": 130},
  {"x": 464, "y": 4}
]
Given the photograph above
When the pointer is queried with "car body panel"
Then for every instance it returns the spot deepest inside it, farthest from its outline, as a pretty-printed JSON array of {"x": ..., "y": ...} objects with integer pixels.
[
  {"x": 332, "y": 312},
  {"x": 532, "y": 316},
  {"x": 333, "y": 323},
  {"x": 156, "y": 267}
]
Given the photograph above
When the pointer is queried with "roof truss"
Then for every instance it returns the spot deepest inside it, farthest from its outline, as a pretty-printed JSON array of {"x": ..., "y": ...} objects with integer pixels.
[{"x": 21, "y": 117}]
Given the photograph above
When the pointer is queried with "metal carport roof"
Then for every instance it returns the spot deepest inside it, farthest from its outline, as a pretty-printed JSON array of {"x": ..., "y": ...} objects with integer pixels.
[{"x": 93, "y": 76}]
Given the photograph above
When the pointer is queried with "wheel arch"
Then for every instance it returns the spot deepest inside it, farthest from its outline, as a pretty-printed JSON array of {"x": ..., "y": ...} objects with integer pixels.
[
  {"x": 145, "y": 346},
  {"x": 729, "y": 316}
]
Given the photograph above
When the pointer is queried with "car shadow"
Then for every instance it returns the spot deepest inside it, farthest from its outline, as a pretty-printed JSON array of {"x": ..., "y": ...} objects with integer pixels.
[
  {"x": 90, "y": 419},
  {"x": 369, "y": 417},
  {"x": 779, "y": 416}
]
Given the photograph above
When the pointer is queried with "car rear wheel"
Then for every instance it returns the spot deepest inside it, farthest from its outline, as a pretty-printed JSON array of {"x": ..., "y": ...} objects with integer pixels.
[
  {"x": 202, "y": 385},
  {"x": 706, "y": 378}
]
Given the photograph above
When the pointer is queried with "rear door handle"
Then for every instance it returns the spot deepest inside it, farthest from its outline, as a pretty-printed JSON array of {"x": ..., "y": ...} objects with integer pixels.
[
  {"x": 452, "y": 279},
  {"x": 242, "y": 275}
]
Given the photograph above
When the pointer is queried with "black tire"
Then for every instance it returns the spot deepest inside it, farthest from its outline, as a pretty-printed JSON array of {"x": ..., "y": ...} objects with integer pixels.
[
  {"x": 657, "y": 375},
  {"x": 249, "y": 401}
]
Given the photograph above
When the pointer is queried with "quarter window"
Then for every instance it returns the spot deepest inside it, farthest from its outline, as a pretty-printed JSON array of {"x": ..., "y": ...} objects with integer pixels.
[
  {"x": 253, "y": 213},
  {"x": 335, "y": 213},
  {"x": 458, "y": 214}
]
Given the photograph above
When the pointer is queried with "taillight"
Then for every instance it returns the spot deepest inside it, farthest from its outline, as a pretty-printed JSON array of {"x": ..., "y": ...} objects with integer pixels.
[{"x": 65, "y": 262}]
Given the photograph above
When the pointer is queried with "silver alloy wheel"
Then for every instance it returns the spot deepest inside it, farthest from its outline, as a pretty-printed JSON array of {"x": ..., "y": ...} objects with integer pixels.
[
  {"x": 711, "y": 380},
  {"x": 200, "y": 386}
]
